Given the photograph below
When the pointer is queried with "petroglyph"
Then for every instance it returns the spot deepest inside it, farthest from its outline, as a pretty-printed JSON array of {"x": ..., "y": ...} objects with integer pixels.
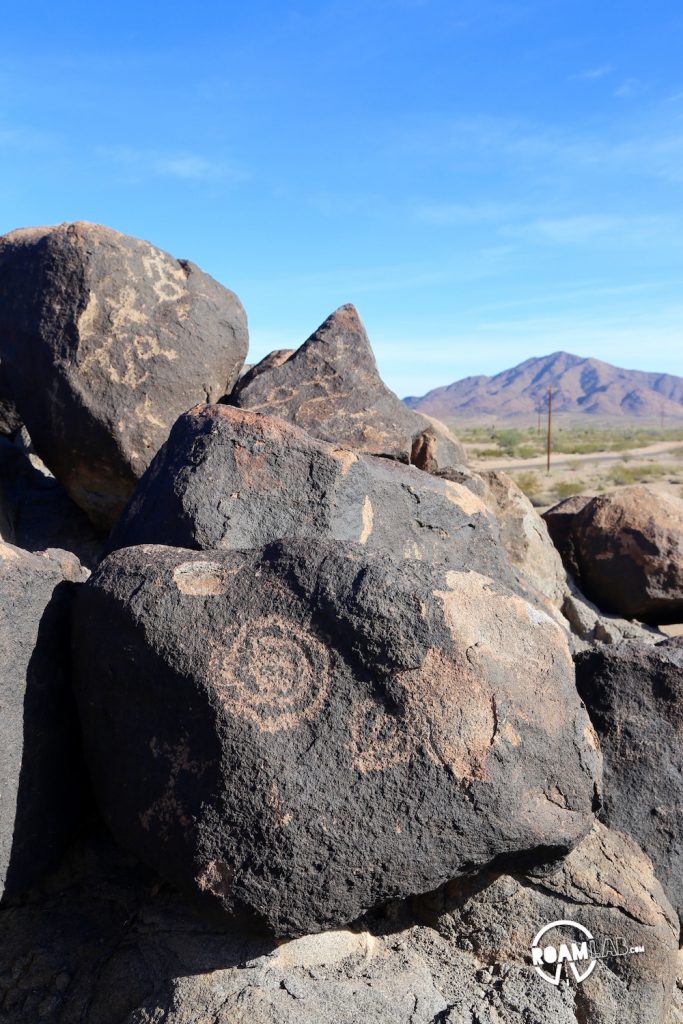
[
  {"x": 272, "y": 672},
  {"x": 367, "y": 519},
  {"x": 199, "y": 578},
  {"x": 445, "y": 712},
  {"x": 168, "y": 809},
  {"x": 216, "y": 877}
]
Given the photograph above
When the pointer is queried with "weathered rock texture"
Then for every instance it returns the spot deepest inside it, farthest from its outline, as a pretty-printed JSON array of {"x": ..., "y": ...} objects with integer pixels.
[
  {"x": 105, "y": 340},
  {"x": 332, "y": 389},
  {"x": 524, "y": 536},
  {"x": 102, "y": 942},
  {"x": 303, "y": 731},
  {"x": 41, "y": 771},
  {"x": 236, "y": 479},
  {"x": 634, "y": 695},
  {"x": 628, "y": 547}
]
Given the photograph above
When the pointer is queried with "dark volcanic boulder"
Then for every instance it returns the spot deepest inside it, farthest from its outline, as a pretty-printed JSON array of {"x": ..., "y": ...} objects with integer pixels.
[
  {"x": 105, "y": 340},
  {"x": 332, "y": 389},
  {"x": 560, "y": 522},
  {"x": 634, "y": 695},
  {"x": 41, "y": 771},
  {"x": 629, "y": 552},
  {"x": 302, "y": 731},
  {"x": 102, "y": 942},
  {"x": 236, "y": 479}
]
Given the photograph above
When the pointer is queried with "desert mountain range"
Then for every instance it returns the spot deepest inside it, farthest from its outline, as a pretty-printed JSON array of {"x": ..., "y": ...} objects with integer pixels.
[{"x": 580, "y": 386}]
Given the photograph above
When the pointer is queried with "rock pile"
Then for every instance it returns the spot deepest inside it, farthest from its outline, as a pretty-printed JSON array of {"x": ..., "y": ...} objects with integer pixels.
[{"x": 319, "y": 681}]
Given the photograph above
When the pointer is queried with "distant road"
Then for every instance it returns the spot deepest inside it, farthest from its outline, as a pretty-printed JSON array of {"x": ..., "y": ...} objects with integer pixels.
[{"x": 557, "y": 461}]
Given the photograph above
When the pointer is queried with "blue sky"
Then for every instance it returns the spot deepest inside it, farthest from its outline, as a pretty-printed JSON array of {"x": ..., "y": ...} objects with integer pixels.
[{"x": 485, "y": 180}]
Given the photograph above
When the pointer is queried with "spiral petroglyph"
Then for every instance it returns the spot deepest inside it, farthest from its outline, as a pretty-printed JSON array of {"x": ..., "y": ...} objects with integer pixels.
[{"x": 272, "y": 672}]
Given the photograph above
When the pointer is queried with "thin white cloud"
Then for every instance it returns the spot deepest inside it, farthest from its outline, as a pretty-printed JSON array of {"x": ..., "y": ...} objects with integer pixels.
[
  {"x": 594, "y": 73},
  {"x": 630, "y": 88},
  {"x": 141, "y": 164},
  {"x": 575, "y": 230},
  {"x": 542, "y": 152},
  {"x": 464, "y": 213}
]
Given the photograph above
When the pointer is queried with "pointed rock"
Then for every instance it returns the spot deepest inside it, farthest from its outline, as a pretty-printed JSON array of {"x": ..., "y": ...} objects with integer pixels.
[{"x": 331, "y": 387}]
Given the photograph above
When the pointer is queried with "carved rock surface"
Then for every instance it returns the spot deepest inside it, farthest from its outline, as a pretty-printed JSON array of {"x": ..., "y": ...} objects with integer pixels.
[
  {"x": 332, "y": 389},
  {"x": 101, "y": 942},
  {"x": 236, "y": 479},
  {"x": 628, "y": 546},
  {"x": 303, "y": 731},
  {"x": 105, "y": 340},
  {"x": 41, "y": 769},
  {"x": 634, "y": 695}
]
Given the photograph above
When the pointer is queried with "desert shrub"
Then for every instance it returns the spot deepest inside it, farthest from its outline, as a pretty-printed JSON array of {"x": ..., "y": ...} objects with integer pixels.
[
  {"x": 509, "y": 440},
  {"x": 565, "y": 488},
  {"x": 486, "y": 453},
  {"x": 530, "y": 483},
  {"x": 637, "y": 473}
]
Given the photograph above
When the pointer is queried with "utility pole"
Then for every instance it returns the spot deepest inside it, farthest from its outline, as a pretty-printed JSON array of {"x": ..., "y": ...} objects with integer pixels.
[{"x": 550, "y": 425}]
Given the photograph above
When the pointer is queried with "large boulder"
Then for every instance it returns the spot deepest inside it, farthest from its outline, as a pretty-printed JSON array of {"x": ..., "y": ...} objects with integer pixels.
[
  {"x": 628, "y": 546},
  {"x": 525, "y": 536},
  {"x": 102, "y": 942},
  {"x": 105, "y": 340},
  {"x": 41, "y": 770},
  {"x": 634, "y": 695},
  {"x": 331, "y": 387},
  {"x": 302, "y": 731},
  {"x": 236, "y": 479}
]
